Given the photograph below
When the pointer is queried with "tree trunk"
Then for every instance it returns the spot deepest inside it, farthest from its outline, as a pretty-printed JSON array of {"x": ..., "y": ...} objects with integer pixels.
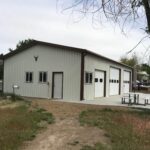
[{"x": 146, "y": 4}]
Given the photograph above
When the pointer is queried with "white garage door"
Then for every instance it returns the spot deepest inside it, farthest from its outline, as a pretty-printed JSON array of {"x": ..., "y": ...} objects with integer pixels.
[
  {"x": 99, "y": 83},
  {"x": 126, "y": 82},
  {"x": 114, "y": 82}
]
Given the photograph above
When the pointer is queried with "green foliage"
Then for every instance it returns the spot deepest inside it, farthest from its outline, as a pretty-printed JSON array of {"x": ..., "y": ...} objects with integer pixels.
[
  {"x": 145, "y": 67},
  {"x": 23, "y": 44},
  {"x": 120, "y": 127},
  {"x": 13, "y": 97},
  {"x": 20, "y": 124},
  {"x": 133, "y": 61}
]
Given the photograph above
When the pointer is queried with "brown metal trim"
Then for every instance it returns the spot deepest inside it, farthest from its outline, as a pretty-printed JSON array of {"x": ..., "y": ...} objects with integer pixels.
[
  {"x": 3, "y": 78},
  {"x": 105, "y": 75},
  {"x": 119, "y": 81},
  {"x": 53, "y": 74},
  {"x": 82, "y": 76},
  {"x": 130, "y": 86}
]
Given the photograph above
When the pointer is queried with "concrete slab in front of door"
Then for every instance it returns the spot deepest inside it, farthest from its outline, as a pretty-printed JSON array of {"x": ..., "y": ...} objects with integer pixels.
[{"x": 109, "y": 101}]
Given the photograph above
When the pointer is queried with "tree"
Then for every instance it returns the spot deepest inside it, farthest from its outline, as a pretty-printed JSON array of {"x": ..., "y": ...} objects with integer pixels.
[
  {"x": 145, "y": 67},
  {"x": 22, "y": 45},
  {"x": 118, "y": 11},
  {"x": 132, "y": 62}
]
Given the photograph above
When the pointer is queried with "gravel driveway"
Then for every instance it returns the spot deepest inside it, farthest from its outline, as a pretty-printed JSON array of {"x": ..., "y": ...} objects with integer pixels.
[{"x": 66, "y": 133}]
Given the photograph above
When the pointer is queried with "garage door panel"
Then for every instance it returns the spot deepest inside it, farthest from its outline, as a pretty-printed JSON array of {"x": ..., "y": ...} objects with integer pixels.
[
  {"x": 99, "y": 83},
  {"x": 126, "y": 81},
  {"x": 114, "y": 82}
]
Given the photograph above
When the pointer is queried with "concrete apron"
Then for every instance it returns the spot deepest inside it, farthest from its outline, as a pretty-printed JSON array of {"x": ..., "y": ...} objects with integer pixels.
[{"x": 112, "y": 101}]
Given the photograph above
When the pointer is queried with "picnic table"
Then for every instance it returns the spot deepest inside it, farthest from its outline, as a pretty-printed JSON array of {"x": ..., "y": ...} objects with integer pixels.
[{"x": 134, "y": 99}]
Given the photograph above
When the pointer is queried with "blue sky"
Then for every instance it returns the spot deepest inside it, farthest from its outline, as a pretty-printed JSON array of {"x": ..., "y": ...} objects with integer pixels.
[{"x": 42, "y": 20}]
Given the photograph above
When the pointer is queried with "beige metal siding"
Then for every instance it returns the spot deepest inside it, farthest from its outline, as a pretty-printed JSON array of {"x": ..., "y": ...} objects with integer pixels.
[
  {"x": 93, "y": 63},
  {"x": 49, "y": 59}
]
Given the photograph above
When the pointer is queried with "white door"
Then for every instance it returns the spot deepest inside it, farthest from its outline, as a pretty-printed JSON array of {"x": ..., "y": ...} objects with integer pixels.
[
  {"x": 57, "y": 85},
  {"x": 126, "y": 82},
  {"x": 114, "y": 81},
  {"x": 99, "y": 83}
]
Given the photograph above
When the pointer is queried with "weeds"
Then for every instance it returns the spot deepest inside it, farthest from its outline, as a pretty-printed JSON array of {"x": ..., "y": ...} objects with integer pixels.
[
  {"x": 20, "y": 124},
  {"x": 127, "y": 130},
  {"x": 12, "y": 96}
]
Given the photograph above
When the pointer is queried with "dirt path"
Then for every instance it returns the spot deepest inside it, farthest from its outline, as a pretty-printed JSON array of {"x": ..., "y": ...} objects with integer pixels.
[{"x": 66, "y": 133}]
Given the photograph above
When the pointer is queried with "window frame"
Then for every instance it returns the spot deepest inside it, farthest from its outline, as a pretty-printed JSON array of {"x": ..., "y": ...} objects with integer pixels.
[
  {"x": 30, "y": 72},
  {"x": 43, "y": 77},
  {"x": 89, "y": 77}
]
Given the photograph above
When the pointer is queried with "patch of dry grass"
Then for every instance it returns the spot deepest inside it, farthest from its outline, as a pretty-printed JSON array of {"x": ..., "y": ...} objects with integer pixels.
[
  {"x": 127, "y": 130},
  {"x": 18, "y": 124}
]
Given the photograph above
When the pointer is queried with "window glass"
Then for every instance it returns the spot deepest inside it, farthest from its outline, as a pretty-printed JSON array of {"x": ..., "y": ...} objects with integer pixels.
[
  {"x": 96, "y": 79},
  {"x": 29, "y": 77},
  {"x": 88, "y": 77},
  {"x": 27, "y": 74},
  {"x": 42, "y": 77},
  {"x": 101, "y": 80},
  {"x": 91, "y": 77}
]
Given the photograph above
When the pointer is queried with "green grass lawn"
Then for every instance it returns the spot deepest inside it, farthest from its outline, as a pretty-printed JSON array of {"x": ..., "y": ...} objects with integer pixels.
[
  {"x": 20, "y": 124},
  {"x": 126, "y": 129}
]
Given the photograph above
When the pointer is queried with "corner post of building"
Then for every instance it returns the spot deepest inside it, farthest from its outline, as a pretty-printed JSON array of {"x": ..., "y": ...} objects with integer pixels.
[
  {"x": 2, "y": 56},
  {"x": 82, "y": 76}
]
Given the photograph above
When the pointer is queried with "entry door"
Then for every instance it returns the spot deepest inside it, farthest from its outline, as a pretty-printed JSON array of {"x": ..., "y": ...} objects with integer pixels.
[
  {"x": 126, "y": 82},
  {"x": 58, "y": 85},
  {"x": 114, "y": 81},
  {"x": 99, "y": 83}
]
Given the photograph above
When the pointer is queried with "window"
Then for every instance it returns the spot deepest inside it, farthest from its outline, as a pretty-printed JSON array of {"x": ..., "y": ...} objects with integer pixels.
[
  {"x": 101, "y": 80},
  {"x": 126, "y": 81},
  {"x": 88, "y": 77},
  {"x": 96, "y": 79},
  {"x": 43, "y": 77},
  {"x": 29, "y": 77}
]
